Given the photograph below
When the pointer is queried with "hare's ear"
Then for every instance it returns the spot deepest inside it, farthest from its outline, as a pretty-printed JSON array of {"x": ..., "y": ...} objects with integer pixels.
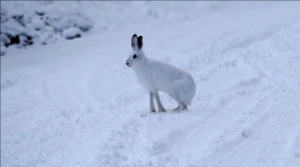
[
  {"x": 140, "y": 42},
  {"x": 134, "y": 42}
]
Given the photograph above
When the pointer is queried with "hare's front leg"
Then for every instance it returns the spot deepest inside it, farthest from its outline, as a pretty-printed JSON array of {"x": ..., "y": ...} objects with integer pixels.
[
  {"x": 152, "y": 108},
  {"x": 159, "y": 105}
]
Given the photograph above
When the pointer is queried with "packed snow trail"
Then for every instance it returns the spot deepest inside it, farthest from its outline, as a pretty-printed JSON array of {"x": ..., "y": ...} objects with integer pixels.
[{"x": 75, "y": 103}]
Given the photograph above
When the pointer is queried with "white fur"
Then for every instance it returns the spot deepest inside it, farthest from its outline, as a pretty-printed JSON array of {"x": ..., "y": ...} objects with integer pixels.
[{"x": 157, "y": 76}]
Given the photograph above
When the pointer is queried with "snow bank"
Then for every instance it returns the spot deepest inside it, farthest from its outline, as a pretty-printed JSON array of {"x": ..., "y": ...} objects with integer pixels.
[
  {"x": 44, "y": 22},
  {"x": 26, "y": 23}
]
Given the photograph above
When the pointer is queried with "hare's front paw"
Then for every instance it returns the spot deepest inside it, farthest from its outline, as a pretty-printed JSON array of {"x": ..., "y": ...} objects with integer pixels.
[{"x": 153, "y": 110}]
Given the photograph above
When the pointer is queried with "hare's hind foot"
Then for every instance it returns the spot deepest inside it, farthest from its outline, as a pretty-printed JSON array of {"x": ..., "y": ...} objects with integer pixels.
[
  {"x": 183, "y": 107},
  {"x": 176, "y": 108},
  {"x": 180, "y": 108}
]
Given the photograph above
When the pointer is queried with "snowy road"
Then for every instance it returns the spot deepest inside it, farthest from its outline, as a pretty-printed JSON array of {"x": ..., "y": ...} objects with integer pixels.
[{"x": 75, "y": 103}]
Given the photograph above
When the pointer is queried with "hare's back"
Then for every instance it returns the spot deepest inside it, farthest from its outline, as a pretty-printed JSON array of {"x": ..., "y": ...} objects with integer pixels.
[{"x": 167, "y": 72}]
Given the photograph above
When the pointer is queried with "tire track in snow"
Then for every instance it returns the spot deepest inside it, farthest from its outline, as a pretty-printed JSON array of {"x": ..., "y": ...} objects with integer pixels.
[
  {"x": 260, "y": 122},
  {"x": 279, "y": 89},
  {"x": 277, "y": 123},
  {"x": 239, "y": 133},
  {"x": 70, "y": 124},
  {"x": 293, "y": 151},
  {"x": 220, "y": 138}
]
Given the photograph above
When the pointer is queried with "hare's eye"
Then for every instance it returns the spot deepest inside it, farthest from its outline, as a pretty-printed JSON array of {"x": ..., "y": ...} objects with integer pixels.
[{"x": 134, "y": 56}]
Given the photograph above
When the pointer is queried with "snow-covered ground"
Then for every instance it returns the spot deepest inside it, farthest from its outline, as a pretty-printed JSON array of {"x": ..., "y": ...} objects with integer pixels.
[{"x": 75, "y": 103}]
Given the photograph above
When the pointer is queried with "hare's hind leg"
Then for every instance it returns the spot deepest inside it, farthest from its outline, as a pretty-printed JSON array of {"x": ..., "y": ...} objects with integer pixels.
[
  {"x": 176, "y": 89},
  {"x": 181, "y": 106}
]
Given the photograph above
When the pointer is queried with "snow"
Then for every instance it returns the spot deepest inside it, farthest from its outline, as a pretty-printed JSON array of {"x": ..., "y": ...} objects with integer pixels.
[
  {"x": 3, "y": 49},
  {"x": 71, "y": 33},
  {"x": 37, "y": 23},
  {"x": 75, "y": 103}
]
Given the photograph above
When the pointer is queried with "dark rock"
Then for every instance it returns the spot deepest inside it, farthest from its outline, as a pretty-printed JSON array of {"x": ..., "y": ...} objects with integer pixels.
[
  {"x": 14, "y": 40},
  {"x": 40, "y": 13},
  {"x": 73, "y": 37}
]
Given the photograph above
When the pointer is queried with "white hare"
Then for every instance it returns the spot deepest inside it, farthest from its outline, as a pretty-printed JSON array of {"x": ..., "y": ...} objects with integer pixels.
[{"x": 157, "y": 76}]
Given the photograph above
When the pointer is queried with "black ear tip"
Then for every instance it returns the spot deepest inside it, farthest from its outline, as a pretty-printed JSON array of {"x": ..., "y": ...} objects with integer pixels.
[
  {"x": 140, "y": 37},
  {"x": 134, "y": 35}
]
